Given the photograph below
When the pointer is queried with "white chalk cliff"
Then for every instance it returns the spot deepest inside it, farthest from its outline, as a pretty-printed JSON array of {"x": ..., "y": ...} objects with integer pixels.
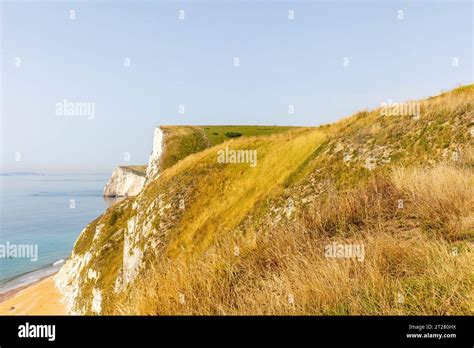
[
  {"x": 125, "y": 181},
  {"x": 153, "y": 169}
]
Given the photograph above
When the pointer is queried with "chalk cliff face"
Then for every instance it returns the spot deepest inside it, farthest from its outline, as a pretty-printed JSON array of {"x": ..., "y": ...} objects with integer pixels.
[
  {"x": 153, "y": 169},
  {"x": 125, "y": 181},
  {"x": 78, "y": 272}
]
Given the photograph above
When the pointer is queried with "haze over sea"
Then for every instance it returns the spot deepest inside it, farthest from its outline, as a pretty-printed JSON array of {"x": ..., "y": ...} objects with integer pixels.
[{"x": 49, "y": 211}]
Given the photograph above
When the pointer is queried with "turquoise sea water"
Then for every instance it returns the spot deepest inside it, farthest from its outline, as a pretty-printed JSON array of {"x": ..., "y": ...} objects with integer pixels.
[{"x": 48, "y": 211}]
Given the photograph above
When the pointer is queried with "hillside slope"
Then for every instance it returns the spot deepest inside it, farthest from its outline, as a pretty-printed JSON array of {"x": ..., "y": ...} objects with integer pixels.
[
  {"x": 174, "y": 143},
  {"x": 208, "y": 237}
]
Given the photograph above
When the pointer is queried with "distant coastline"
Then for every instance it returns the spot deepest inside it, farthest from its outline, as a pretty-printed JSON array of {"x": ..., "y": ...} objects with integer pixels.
[
  {"x": 47, "y": 174},
  {"x": 21, "y": 174}
]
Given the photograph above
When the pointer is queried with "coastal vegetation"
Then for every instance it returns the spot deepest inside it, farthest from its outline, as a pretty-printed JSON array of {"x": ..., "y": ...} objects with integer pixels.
[{"x": 216, "y": 238}]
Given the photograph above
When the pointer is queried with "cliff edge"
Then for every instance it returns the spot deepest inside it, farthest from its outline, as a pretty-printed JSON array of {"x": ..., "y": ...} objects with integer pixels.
[{"x": 125, "y": 181}]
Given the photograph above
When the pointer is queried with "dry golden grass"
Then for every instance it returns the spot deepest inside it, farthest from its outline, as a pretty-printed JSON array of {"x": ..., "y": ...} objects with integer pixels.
[
  {"x": 228, "y": 192},
  {"x": 420, "y": 253},
  {"x": 284, "y": 270},
  {"x": 442, "y": 198}
]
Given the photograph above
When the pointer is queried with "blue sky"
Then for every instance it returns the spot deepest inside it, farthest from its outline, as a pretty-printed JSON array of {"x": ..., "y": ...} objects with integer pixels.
[{"x": 190, "y": 62}]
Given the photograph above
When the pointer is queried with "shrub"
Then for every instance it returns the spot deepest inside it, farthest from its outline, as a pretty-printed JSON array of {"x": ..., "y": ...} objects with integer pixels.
[{"x": 233, "y": 134}]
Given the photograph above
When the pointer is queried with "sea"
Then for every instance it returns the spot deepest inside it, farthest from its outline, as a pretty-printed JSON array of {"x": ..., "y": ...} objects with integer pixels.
[{"x": 41, "y": 217}]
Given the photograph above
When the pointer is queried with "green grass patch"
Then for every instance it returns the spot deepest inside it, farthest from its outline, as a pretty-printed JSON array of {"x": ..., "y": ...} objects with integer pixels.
[{"x": 217, "y": 134}]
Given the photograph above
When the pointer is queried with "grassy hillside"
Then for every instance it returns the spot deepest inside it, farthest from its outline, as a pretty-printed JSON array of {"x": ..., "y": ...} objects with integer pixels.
[
  {"x": 229, "y": 238},
  {"x": 217, "y": 134},
  {"x": 223, "y": 193},
  {"x": 181, "y": 141}
]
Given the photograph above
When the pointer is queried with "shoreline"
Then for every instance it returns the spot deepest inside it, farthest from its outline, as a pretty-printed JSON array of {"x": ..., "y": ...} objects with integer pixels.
[
  {"x": 21, "y": 281},
  {"x": 37, "y": 298},
  {"x": 11, "y": 293}
]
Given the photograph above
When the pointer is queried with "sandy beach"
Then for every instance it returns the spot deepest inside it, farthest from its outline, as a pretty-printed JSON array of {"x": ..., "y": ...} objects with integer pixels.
[{"x": 40, "y": 298}]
